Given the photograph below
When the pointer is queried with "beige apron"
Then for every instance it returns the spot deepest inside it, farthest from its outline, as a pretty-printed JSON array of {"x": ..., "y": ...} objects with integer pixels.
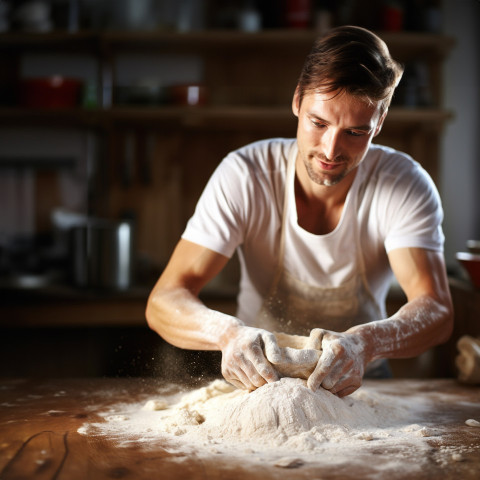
[{"x": 295, "y": 307}]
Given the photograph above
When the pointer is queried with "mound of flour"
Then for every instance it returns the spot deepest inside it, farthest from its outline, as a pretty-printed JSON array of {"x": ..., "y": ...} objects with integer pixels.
[
  {"x": 284, "y": 413},
  {"x": 282, "y": 416},
  {"x": 288, "y": 407}
]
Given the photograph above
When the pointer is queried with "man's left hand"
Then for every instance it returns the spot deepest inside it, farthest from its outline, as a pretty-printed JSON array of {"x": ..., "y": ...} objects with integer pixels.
[{"x": 342, "y": 364}]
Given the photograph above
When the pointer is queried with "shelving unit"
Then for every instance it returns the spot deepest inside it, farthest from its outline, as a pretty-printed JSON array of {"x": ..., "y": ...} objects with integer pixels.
[
  {"x": 222, "y": 51},
  {"x": 250, "y": 79}
]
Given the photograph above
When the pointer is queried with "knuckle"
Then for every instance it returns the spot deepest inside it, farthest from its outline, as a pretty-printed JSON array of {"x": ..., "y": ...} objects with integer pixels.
[
  {"x": 258, "y": 381},
  {"x": 264, "y": 371},
  {"x": 238, "y": 356},
  {"x": 339, "y": 348},
  {"x": 256, "y": 350},
  {"x": 269, "y": 337}
]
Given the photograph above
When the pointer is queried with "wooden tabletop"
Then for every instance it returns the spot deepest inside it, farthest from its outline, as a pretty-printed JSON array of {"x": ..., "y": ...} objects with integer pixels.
[{"x": 39, "y": 438}]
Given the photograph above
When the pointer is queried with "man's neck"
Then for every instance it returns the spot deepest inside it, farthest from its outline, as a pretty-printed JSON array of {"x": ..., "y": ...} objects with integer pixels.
[{"x": 320, "y": 207}]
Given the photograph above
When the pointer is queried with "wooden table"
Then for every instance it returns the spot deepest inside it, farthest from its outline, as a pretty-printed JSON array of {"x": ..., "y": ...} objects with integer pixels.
[{"x": 39, "y": 420}]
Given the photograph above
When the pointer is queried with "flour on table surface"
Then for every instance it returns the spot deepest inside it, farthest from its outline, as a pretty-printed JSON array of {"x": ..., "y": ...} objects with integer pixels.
[
  {"x": 283, "y": 423},
  {"x": 155, "y": 405},
  {"x": 471, "y": 422}
]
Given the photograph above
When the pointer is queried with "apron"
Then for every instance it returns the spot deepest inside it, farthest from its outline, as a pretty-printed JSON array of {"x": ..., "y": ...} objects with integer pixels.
[{"x": 295, "y": 307}]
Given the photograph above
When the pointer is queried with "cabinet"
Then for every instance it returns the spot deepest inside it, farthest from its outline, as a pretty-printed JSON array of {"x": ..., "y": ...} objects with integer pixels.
[{"x": 155, "y": 159}]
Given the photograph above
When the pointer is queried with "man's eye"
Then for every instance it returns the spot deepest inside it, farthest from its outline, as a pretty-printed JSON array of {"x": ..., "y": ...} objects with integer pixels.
[
  {"x": 354, "y": 133},
  {"x": 318, "y": 124}
]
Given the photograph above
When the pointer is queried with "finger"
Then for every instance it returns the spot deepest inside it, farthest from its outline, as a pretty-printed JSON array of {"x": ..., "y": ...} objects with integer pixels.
[
  {"x": 257, "y": 380},
  {"x": 315, "y": 379},
  {"x": 235, "y": 375},
  {"x": 315, "y": 338},
  {"x": 268, "y": 373},
  {"x": 236, "y": 383},
  {"x": 337, "y": 376},
  {"x": 296, "y": 356},
  {"x": 347, "y": 384},
  {"x": 272, "y": 351},
  {"x": 249, "y": 375},
  {"x": 322, "y": 369},
  {"x": 343, "y": 392},
  {"x": 261, "y": 366},
  {"x": 254, "y": 372},
  {"x": 245, "y": 380}
]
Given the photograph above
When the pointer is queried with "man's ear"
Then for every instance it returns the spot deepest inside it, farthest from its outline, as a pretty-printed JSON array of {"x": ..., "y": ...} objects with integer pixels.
[
  {"x": 380, "y": 123},
  {"x": 296, "y": 102}
]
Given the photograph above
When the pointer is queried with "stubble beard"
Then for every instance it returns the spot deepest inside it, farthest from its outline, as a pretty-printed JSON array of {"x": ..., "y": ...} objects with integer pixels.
[{"x": 321, "y": 178}]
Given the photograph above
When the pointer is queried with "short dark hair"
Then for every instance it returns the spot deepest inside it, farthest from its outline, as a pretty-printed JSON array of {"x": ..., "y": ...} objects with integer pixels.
[{"x": 353, "y": 60}]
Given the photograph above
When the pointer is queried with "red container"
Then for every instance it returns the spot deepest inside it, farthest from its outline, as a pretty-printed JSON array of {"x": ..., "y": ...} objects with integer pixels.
[
  {"x": 50, "y": 92},
  {"x": 392, "y": 18},
  {"x": 298, "y": 13}
]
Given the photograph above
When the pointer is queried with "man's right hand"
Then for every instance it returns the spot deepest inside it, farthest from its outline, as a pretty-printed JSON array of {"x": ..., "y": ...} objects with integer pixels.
[{"x": 244, "y": 362}]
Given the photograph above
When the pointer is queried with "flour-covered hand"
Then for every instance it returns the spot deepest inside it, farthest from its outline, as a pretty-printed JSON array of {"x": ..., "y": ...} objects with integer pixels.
[
  {"x": 244, "y": 363},
  {"x": 341, "y": 366}
]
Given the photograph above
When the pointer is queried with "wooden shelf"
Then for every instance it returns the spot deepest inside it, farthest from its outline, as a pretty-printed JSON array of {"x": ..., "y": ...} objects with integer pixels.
[
  {"x": 66, "y": 306},
  {"x": 221, "y": 117},
  {"x": 58, "y": 118},
  {"x": 415, "y": 44},
  {"x": 427, "y": 119},
  {"x": 406, "y": 45},
  {"x": 60, "y": 41}
]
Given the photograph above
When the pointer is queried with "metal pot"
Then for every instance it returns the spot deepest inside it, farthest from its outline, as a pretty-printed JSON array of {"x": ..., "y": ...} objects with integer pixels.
[{"x": 103, "y": 254}]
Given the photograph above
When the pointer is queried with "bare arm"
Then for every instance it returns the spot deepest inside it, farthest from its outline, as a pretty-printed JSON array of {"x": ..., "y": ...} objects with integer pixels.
[
  {"x": 175, "y": 312},
  {"x": 424, "y": 321}
]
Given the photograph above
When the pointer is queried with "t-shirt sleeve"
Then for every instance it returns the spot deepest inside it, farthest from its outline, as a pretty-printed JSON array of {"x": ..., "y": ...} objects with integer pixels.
[
  {"x": 219, "y": 219},
  {"x": 414, "y": 212}
]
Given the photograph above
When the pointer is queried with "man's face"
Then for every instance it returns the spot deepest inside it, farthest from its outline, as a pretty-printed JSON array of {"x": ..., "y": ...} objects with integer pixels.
[{"x": 334, "y": 133}]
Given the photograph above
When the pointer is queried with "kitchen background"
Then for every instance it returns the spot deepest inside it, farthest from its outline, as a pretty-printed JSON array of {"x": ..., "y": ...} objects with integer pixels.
[{"x": 113, "y": 114}]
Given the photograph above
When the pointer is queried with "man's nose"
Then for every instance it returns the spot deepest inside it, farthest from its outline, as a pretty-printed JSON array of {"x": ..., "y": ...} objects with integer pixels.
[{"x": 331, "y": 144}]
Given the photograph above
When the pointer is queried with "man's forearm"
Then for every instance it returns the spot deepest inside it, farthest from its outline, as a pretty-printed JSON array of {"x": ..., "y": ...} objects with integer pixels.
[
  {"x": 184, "y": 321},
  {"x": 417, "y": 326}
]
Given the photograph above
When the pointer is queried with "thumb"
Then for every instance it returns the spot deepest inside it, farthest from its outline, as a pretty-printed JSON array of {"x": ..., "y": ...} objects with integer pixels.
[{"x": 272, "y": 350}]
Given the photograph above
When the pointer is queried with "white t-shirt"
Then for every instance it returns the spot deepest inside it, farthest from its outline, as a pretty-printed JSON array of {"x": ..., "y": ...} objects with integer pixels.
[{"x": 241, "y": 208}]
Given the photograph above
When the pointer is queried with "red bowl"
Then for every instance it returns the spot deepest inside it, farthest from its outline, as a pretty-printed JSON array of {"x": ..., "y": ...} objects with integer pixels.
[
  {"x": 50, "y": 92},
  {"x": 471, "y": 263}
]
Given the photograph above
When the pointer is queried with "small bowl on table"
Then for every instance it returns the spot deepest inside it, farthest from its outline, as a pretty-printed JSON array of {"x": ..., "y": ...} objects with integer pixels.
[{"x": 471, "y": 263}]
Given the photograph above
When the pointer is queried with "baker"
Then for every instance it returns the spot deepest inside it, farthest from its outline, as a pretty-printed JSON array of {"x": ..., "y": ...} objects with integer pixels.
[{"x": 320, "y": 224}]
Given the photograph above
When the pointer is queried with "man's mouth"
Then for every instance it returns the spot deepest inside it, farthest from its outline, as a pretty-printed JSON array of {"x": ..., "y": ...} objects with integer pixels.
[{"x": 329, "y": 165}]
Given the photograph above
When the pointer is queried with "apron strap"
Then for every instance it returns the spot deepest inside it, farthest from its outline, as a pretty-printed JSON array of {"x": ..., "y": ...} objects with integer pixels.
[
  {"x": 360, "y": 259},
  {"x": 289, "y": 178}
]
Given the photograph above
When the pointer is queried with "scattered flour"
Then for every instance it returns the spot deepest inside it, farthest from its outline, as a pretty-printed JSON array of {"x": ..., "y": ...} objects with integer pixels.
[
  {"x": 155, "y": 405},
  {"x": 116, "y": 418},
  {"x": 283, "y": 423},
  {"x": 472, "y": 422}
]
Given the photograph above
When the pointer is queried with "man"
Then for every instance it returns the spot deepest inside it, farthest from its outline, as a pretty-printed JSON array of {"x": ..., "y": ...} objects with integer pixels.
[{"x": 319, "y": 222}]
